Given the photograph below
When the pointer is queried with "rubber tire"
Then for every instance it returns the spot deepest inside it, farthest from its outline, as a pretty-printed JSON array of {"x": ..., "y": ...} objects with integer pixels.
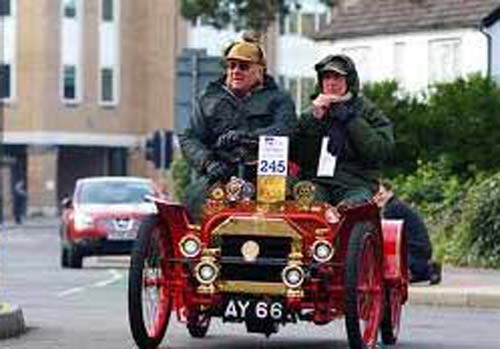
[
  {"x": 135, "y": 288},
  {"x": 74, "y": 257},
  {"x": 64, "y": 257},
  {"x": 358, "y": 235},
  {"x": 196, "y": 330},
  {"x": 388, "y": 330}
]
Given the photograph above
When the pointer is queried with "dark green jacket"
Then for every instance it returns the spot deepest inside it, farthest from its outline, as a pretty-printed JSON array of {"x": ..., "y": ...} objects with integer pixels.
[
  {"x": 369, "y": 142},
  {"x": 266, "y": 111}
]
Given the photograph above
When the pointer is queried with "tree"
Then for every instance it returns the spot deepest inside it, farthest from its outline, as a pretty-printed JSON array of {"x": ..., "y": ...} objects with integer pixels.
[{"x": 242, "y": 14}]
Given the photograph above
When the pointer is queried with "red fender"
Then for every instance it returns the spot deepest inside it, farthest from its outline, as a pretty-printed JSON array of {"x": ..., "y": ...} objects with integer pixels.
[{"x": 395, "y": 250}]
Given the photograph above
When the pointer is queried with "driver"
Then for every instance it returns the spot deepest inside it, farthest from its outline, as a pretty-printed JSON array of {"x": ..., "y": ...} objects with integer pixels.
[
  {"x": 230, "y": 115},
  {"x": 345, "y": 130}
]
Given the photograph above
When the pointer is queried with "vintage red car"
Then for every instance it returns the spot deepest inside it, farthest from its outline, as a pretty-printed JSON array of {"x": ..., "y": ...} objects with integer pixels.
[
  {"x": 268, "y": 264},
  {"x": 103, "y": 217}
]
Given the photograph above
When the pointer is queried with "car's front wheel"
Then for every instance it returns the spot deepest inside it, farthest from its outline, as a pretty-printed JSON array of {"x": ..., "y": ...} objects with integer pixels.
[
  {"x": 71, "y": 257},
  {"x": 150, "y": 284}
]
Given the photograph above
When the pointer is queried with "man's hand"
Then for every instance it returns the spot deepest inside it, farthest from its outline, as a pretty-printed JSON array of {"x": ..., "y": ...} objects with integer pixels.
[
  {"x": 230, "y": 139},
  {"x": 216, "y": 170}
]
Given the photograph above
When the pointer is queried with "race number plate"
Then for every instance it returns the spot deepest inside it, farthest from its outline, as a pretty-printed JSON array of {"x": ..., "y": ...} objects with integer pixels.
[
  {"x": 272, "y": 169},
  {"x": 241, "y": 309},
  {"x": 273, "y": 156}
]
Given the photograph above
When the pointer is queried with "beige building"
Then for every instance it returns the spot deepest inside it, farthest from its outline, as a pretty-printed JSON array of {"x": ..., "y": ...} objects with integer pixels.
[{"x": 82, "y": 83}]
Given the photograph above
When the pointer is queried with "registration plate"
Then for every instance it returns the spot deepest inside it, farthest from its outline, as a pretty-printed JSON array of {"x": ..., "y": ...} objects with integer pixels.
[
  {"x": 122, "y": 229},
  {"x": 241, "y": 309},
  {"x": 122, "y": 235}
]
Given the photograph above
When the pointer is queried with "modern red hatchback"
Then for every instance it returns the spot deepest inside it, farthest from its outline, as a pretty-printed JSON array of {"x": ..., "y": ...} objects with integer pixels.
[{"x": 103, "y": 217}]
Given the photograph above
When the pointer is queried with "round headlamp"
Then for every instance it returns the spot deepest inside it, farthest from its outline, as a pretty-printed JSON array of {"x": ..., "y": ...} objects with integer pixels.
[
  {"x": 293, "y": 276},
  {"x": 322, "y": 251},
  {"x": 190, "y": 246},
  {"x": 206, "y": 272}
]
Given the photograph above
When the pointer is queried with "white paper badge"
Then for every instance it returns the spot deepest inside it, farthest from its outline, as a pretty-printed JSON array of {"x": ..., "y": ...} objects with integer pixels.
[
  {"x": 326, "y": 163},
  {"x": 273, "y": 156}
]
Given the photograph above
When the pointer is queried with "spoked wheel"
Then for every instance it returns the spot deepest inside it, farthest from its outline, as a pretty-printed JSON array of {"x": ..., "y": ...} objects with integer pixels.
[
  {"x": 149, "y": 298},
  {"x": 364, "y": 288},
  {"x": 198, "y": 324},
  {"x": 392, "y": 315}
]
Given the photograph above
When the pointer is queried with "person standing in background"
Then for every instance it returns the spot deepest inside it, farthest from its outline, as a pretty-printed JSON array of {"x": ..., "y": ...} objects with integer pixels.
[
  {"x": 19, "y": 201},
  {"x": 422, "y": 267}
]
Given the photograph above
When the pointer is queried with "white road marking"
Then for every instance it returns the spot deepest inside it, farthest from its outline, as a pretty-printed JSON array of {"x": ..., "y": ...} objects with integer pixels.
[
  {"x": 115, "y": 276},
  {"x": 70, "y": 291}
]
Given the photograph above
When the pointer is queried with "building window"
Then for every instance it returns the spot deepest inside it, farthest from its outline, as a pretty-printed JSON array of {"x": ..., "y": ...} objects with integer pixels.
[
  {"x": 282, "y": 81},
  {"x": 306, "y": 90},
  {"x": 400, "y": 62},
  {"x": 4, "y": 8},
  {"x": 107, "y": 10},
  {"x": 293, "y": 24},
  {"x": 496, "y": 78},
  {"x": 5, "y": 78},
  {"x": 304, "y": 23},
  {"x": 308, "y": 24},
  {"x": 69, "y": 81},
  {"x": 293, "y": 88},
  {"x": 69, "y": 7},
  {"x": 108, "y": 76},
  {"x": 360, "y": 55},
  {"x": 300, "y": 89},
  {"x": 445, "y": 63},
  {"x": 107, "y": 86},
  {"x": 323, "y": 21}
]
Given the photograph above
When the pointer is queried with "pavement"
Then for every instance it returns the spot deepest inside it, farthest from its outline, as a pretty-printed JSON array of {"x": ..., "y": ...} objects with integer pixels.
[
  {"x": 460, "y": 287},
  {"x": 12, "y": 322}
]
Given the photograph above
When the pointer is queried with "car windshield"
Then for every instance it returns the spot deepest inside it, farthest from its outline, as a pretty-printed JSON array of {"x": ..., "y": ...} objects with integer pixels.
[{"x": 113, "y": 192}]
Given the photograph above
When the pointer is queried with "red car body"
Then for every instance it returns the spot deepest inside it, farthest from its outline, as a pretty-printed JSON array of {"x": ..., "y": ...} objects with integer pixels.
[
  {"x": 103, "y": 217},
  {"x": 258, "y": 265}
]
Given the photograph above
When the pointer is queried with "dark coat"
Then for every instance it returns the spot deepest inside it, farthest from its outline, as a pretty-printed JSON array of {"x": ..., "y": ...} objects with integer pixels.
[{"x": 266, "y": 111}]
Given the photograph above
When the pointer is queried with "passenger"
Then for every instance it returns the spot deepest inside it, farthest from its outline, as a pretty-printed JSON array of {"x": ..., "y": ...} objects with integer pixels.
[
  {"x": 422, "y": 268},
  {"x": 230, "y": 115},
  {"x": 360, "y": 136}
]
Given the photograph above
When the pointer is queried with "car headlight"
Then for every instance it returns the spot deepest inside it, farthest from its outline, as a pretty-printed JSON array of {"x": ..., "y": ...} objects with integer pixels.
[
  {"x": 322, "y": 251},
  {"x": 293, "y": 276},
  {"x": 83, "y": 221},
  {"x": 206, "y": 273},
  {"x": 190, "y": 246}
]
